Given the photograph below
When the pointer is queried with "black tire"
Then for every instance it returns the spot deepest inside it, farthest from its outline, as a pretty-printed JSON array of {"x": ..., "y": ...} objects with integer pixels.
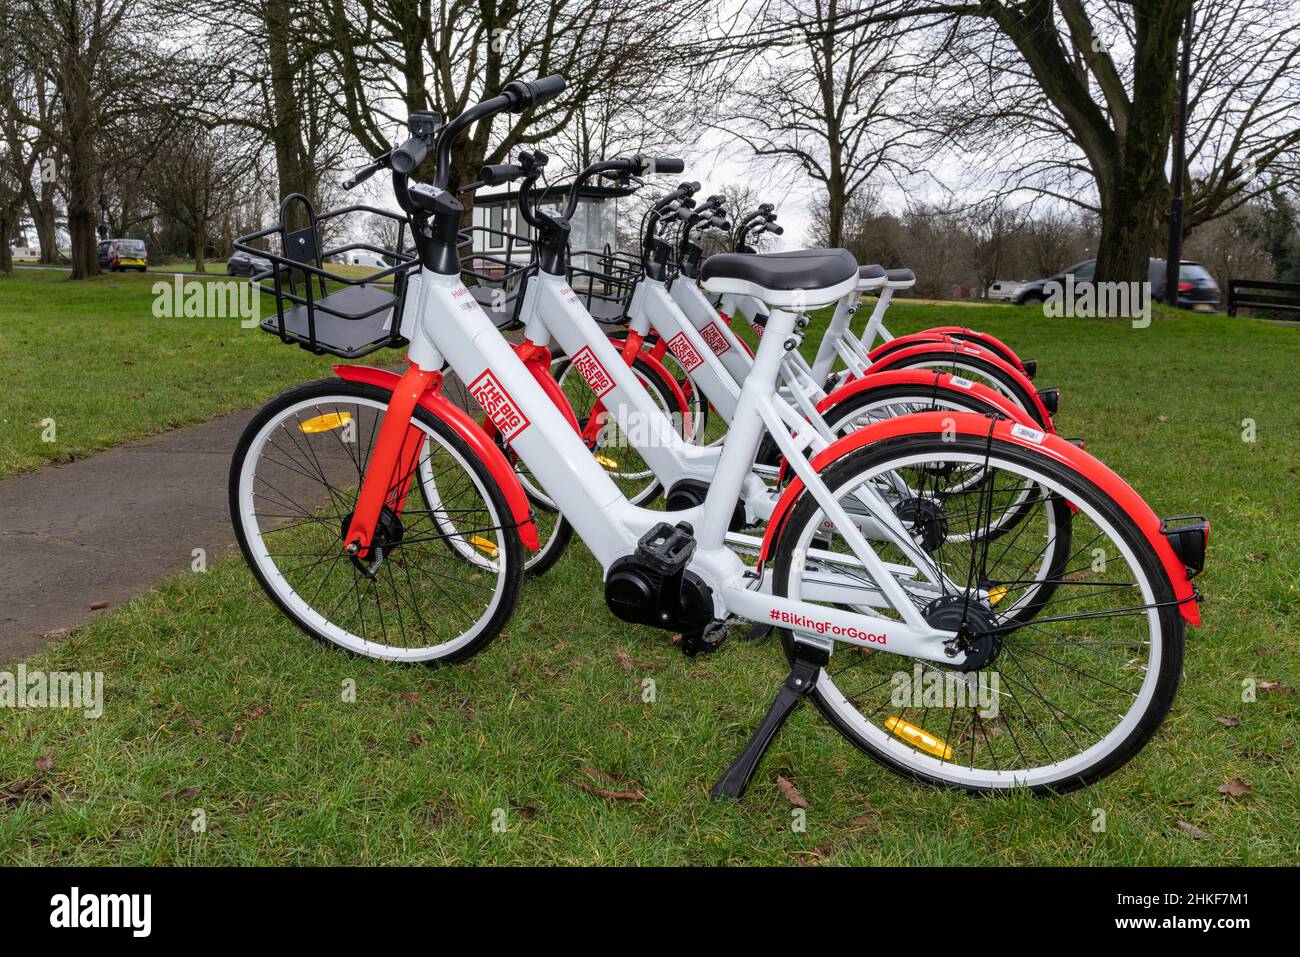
[
  {"x": 1081, "y": 490},
  {"x": 512, "y": 554},
  {"x": 1031, "y": 300}
]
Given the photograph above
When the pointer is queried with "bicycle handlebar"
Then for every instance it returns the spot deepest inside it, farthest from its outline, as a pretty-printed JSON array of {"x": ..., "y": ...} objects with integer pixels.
[{"x": 367, "y": 171}]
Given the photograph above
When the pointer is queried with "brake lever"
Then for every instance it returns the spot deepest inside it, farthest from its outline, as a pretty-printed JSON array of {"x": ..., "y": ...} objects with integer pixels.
[
  {"x": 471, "y": 187},
  {"x": 367, "y": 171}
]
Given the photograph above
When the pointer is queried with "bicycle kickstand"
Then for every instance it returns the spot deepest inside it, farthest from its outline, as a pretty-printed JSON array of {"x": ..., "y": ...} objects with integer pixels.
[{"x": 808, "y": 661}]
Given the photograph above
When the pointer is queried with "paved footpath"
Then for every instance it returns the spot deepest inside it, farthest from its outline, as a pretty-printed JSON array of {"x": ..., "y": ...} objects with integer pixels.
[
  {"x": 108, "y": 527},
  {"x": 112, "y": 525}
]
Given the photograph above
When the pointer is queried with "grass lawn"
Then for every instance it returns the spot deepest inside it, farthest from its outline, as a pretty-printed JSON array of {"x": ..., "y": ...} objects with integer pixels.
[
  {"x": 92, "y": 356},
  {"x": 215, "y": 705}
]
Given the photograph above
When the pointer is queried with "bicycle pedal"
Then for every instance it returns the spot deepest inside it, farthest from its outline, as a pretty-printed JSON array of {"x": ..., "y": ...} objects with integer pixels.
[{"x": 703, "y": 642}]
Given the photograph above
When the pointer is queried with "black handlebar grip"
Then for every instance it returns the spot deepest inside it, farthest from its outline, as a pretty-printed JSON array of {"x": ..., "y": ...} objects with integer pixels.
[
  {"x": 720, "y": 222},
  {"x": 409, "y": 155},
  {"x": 666, "y": 164},
  {"x": 526, "y": 93},
  {"x": 494, "y": 174},
  {"x": 773, "y": 228}
]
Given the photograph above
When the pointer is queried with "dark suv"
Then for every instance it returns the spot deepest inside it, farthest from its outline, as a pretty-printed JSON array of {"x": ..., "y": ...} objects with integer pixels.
[{"x": 1196, "y": 287}]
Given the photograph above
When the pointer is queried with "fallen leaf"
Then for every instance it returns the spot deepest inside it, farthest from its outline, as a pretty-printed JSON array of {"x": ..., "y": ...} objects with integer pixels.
[
  {"x": 1163, "y": 418},
  {"x": 45, "y": 764},
  {"x": 415, "y": 738},
  {"x": 260, "y": 711},
  {"x": 526, "y": 811},
  {"x": 791, "y": 792},
  {"x": 410, "y": 699},
  {"x": 1228, "y": 721},
  {"x": 631, "y": 664},
  {"x": 182, "y": 794},
  {"x": 610, "y": 786},
  {"x": 1235, "y": 788},
  {"x": 468, "y": 713},
  {"x": 822, "y": 851},
  {"x": 97, "y": 605},
  {"x": 869, "y": 818},
  {"x": 611, "y": 795},
  {"x": 1264, "y": 650},
  {"x": 1191, "y": 830}
]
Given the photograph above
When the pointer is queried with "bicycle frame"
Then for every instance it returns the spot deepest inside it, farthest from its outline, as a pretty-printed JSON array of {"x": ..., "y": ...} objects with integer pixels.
[{"x": 447, "y": 324}]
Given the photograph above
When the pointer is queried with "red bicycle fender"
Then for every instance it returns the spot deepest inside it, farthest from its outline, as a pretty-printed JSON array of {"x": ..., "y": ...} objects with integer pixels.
[
  {"x": 998, "y": 347},
  {"x": 926, "y": 379},
  {"x": 1051, "y": 446},
  {"x": 902, "y": 342},
  {"x": 895, "y": 358},
  {"x": 460, "y": 422}
]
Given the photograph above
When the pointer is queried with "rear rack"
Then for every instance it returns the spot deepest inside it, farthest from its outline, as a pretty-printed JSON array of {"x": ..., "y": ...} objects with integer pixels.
[{"x": 323, "y": 311}]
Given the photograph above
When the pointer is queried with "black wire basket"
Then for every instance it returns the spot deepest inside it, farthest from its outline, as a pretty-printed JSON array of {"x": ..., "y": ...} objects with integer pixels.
[
  {"x": 318, "y": 308},
  {"x": 604, "y": 280},
  {"x": 497, "y": 273}
]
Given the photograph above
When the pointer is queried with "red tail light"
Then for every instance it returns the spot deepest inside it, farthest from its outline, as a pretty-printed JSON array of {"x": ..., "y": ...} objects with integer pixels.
[{"x": 1185, "y": 287}]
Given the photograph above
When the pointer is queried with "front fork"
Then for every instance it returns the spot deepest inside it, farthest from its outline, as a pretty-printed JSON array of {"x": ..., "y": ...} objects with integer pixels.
[{"x": 394, "y": 460}]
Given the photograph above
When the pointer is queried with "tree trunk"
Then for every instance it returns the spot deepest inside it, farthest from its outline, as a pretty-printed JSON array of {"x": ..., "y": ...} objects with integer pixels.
[
  {"x": 286, "y": 131},
  {"x": 82, "y": 218},
  {"x": 200, "y": 247},
  {"x": 835, "y": 218},
  {"x": 1130, "y": 227},
  {"x": 1134, "y": 191},
  {"x": 6, "y": 228}
]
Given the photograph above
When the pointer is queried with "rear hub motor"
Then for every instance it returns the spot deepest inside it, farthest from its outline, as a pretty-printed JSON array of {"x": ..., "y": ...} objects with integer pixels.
[
  {"x": 977, "y": 630},
  {"x": 924, "y": 518}
]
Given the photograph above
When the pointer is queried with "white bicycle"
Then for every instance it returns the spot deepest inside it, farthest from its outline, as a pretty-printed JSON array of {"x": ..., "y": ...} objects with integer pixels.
[{"x": 360, "y": 556}]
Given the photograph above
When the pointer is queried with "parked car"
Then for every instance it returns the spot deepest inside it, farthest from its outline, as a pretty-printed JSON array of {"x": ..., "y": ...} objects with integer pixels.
[
  {"x": 247, "y": 264},
  {"x": 1196, "y": 287},
  {"x": 118, "y": 254},
  {"x": 1005, "y": 289}
]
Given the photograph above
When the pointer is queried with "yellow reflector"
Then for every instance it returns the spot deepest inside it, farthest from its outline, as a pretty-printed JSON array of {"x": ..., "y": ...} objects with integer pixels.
[
  {"x": 918, "y": 737},
  {"x": 606, "y": 461},
  {"x": 483, "y": 545},
  {"x": 997, "y": 593},
  {"x": 327, "y": 422}
]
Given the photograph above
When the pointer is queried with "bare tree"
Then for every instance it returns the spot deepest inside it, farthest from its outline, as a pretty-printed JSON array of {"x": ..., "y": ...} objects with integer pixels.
[
  {"x": 994, "y": 231},
  {"x": 106, "y": 60},
  {"x": 838, "y": 103},
  {"x": 200, "y": 179},
  {"x": 392, "y": 57},
  {"x": 1079, "y": 96},
  {"x": 870, "y": 232}
]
